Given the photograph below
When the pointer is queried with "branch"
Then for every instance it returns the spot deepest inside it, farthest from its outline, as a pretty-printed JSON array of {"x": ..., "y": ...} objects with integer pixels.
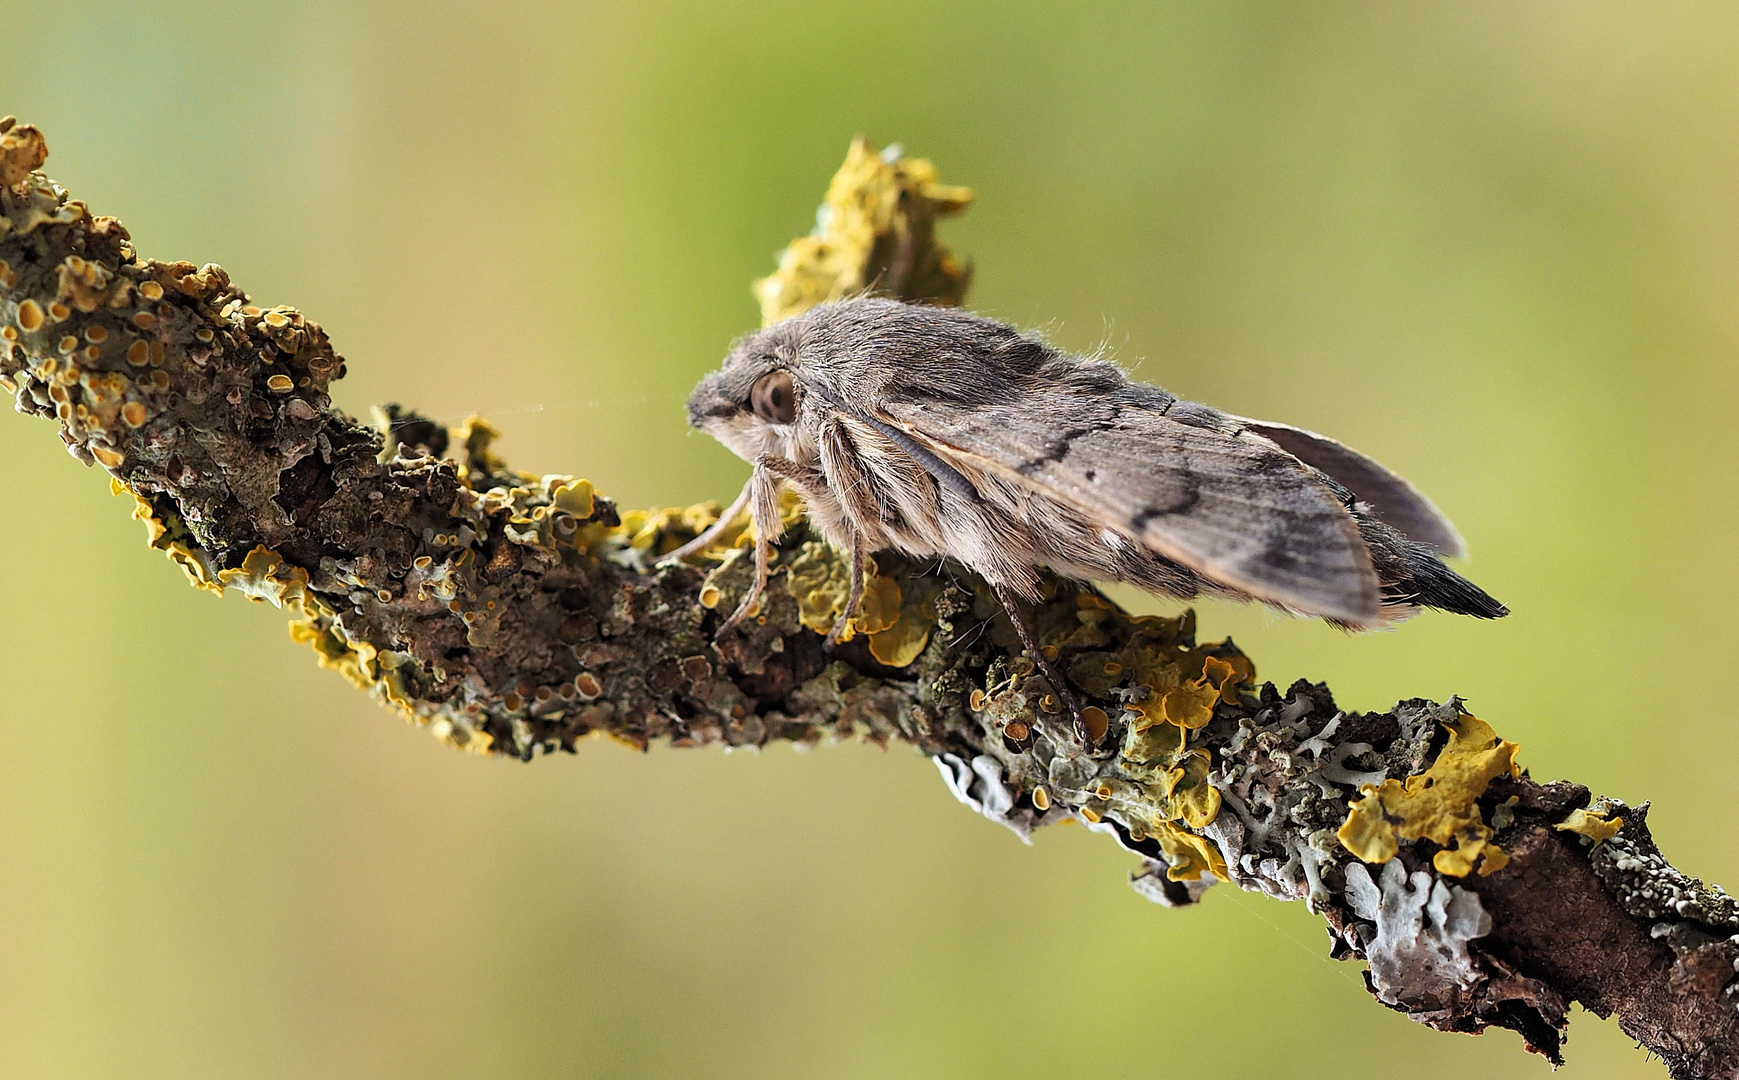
[{"x": 513, "y": 613}]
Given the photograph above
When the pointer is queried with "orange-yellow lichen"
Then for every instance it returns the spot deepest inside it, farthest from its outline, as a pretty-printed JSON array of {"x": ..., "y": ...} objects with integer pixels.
[
  {"x": 262, "y": 577},
  {"x": 30, "y": 316},
  {"x": 1438, "y": 804},
  {"x": 901, "y": 643},
  {"x": 1097, "y": 722},
  {"x": 1193, "y": 800},
  {"x": 1596, "y": 827},
  {"x": 475, "y": 435},
  {"x": 874, "y": 231},
  {"x": 573, "y": 497},
  {"x": 362, "y": 664},
  {"x": 22, "y": 151},
  {"x": 1190, "y": 855},
  {"x": 172, "y": 536},
  {"x": 84, "y": 283},
  {"x": 1177, "y": 694},
  {"x": 280, "y": 384},
  {"x": 820, "y": 581}
]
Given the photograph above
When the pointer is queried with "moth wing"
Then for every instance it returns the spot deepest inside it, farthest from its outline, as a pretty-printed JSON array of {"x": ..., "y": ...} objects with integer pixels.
[
  {"x": 1233, "y": 508},
  {"x": 1395, "y": 502}
]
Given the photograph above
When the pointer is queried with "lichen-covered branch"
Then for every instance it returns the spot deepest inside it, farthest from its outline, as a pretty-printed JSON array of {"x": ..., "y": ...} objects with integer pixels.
[{"x": 516, "y": 613}]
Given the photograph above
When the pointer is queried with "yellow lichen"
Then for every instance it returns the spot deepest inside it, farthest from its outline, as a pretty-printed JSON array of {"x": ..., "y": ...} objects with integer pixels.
[
  {"x": 1097, "y": 722},
  {"x": 263, "y": 579},
  {"x": 819, "y": 580},
  {"x": 1224, "y": 675},
  {"x": 1193, "y": 800},
  {"x": 1190, "y": 855},
  {"x": 875, "y": 231},
  {"x": 1163, "y": 743},
  {"x": 1596, "y": 827},
  {"x": 880, "y": 607},
  {"x": 573, "y": 497},
  {"x": 901, "y": 643},
  {"x": 22, "y": 152},
  {"x": 363, "y": 665},
  {"x": 84, "y": 283},
  {"x": 1438, "y": 804},
  {"x": 475, "y": 435},
  {"x": 172, "y": 536},
  {"x": 1178, "y": 696}
]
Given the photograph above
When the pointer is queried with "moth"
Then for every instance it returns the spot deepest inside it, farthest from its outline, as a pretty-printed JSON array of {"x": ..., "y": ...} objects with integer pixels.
[{"x": 937, "y": 432}]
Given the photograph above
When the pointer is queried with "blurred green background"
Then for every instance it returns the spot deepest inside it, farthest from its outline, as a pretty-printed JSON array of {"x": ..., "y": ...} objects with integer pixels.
[{"x": 1493, "y": 245}]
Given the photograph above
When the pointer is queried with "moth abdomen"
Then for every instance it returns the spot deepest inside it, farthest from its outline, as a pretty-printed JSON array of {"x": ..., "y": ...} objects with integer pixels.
[{"x": 1413, "y": 577}]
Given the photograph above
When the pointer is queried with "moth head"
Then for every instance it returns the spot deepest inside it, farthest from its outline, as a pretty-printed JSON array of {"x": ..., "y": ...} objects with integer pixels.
[{"x": 754, "y": 401}]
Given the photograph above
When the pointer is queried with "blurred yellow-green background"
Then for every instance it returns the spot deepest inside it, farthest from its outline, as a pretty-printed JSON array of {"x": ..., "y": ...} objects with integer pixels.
[{"x": 1495, "y": 245}]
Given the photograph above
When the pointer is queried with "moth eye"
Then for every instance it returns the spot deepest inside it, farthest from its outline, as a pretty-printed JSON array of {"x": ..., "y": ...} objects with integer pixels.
[{"x": 774, "y": 399}]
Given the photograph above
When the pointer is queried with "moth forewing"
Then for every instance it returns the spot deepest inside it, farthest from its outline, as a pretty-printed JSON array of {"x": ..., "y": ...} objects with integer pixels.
[{"x": 1276, "y": 535}]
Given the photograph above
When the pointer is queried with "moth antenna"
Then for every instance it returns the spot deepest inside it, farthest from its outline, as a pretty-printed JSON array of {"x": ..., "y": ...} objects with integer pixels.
[
  {"x": 763, "y": 492},
  {"x": 855, "y": 598},
  {"x": 1010, "y": 604},
  {"x": 945, "y": 474},
  {"x": 712, "y": 532}
]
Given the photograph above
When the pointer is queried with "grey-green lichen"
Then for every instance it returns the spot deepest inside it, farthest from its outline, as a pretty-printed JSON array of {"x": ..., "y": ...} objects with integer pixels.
[
  {"x": 521, "y": 613},
  {"x": 1418, "y": 949}
]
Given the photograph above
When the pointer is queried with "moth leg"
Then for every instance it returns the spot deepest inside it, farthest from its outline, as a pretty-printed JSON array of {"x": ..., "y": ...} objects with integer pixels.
[
  {"x": 712, "y": 532},
  {"x": 764, "y": 512},
  {"x": 802, "y": 477},
  {"x": 855, "y": 598},
  {"x": 1011, "y": 604}
]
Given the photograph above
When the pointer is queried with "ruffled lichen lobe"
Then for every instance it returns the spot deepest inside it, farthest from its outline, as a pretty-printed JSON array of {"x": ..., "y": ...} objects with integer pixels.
[{"x": 1439, "y": 804}]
